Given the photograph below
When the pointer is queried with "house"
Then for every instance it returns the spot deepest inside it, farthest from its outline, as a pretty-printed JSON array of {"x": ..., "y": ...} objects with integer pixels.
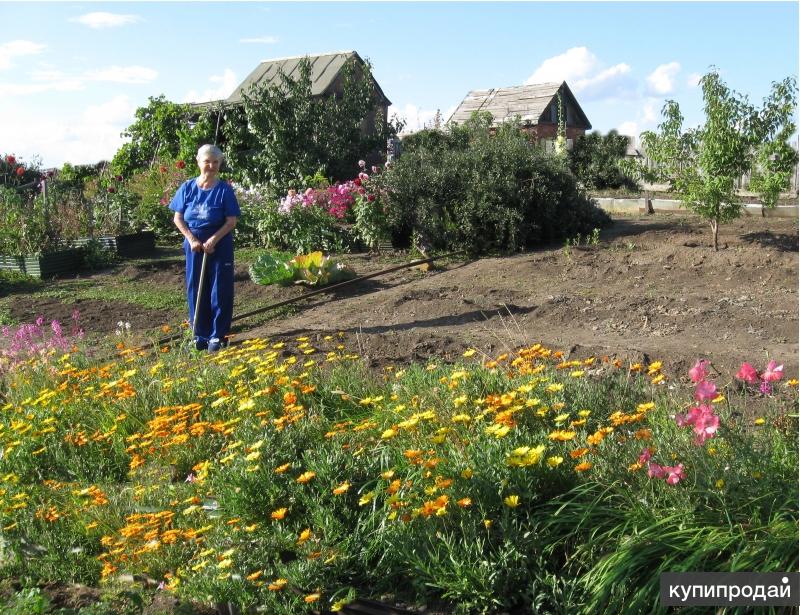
[
  {"x": 536, "y": 105},
  {"x": 326, "y": 80}
]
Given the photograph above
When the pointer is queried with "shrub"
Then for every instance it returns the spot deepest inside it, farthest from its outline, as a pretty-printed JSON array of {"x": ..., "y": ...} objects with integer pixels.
[
  {"x": 482, "y": 192},
  {"x": 26, "y": 226},
  {"x": 594, "y": 161}
]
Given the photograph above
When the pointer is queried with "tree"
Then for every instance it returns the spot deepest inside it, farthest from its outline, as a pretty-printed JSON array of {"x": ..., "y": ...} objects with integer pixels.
[
  {"x": 594, "y": 161},
  {"x": 282, "y": 134},
  {"x": 161, "y": 129},
  {"x": 775, "y": 158},
  {"x": 702, "y": 164}
]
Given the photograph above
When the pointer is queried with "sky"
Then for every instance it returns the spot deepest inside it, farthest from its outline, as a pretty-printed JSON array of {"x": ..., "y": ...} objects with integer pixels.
[{"x": 72, "y": 74}]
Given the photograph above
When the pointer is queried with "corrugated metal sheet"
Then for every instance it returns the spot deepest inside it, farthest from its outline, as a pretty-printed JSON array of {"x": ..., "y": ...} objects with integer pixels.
[
  {"x": 527, "y": 101},
  {"x": 324, "y": 70}
]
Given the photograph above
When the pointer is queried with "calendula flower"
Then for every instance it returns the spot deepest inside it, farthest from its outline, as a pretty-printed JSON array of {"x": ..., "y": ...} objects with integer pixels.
[
  {"x": 304, "y": 536},
  {"x": 279, "y": 514},
  {"x": 512, "y": 501},
  {"x": 305, "y": 477},
  {"x": 469, "y": 352},
  {"x": 554, "y": 461},
  {"x": 341, "y": 488},
  {"x": 311, "y": 598},
  {"x": 277, "y": 585},
  {"x": 583, "y": 467}
]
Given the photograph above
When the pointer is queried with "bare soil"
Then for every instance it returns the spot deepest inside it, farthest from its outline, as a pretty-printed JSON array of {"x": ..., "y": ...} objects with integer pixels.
[{"x": 652, "y": 289}]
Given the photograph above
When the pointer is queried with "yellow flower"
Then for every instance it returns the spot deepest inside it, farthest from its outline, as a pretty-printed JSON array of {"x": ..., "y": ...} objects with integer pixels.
[
  {"x": 366, "y": 498},
  {"x": 277, "y": 585},
  {"x": 388, "y": 434},
  {"x": 226, "y": 563},
  {"x": 304, "y": 536},
  {"x": 759, "y": 421},
  {"x": 487, "y": 523},
  {"x": 512, "y": 501},
  {"x": 554, "y": 461},
  {"x": 279, "y": 514},
  {"x": 341, "y": 488},
  {"x": 283, "y": 468},
  {"x": 305, "y": 477},
  {"x": 254, "y": 575},
  {"x": 720, "y": 483},
  {"x": 311, "y": 598},
  {"x": 467, "y": 473},
  {"x": 464, "y": 502},
  {"x": 469, "y": 352}
]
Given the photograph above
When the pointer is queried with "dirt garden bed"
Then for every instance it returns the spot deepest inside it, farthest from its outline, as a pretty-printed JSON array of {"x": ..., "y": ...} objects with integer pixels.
[{"x": 652, "y": 288}]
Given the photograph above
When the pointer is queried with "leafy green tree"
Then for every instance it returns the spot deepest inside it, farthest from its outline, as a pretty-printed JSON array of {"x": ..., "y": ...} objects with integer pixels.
[
  {"x": 702, "y": 164},
  {"x": 162, "y": 129},
  {"x": 594, "y": 161},
  {"x": 282, "y": 133},
  {"x": 775, "y": 158}
]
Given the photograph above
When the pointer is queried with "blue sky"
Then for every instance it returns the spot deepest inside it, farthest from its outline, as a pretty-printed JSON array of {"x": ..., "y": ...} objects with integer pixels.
[{"x": 73, "y": 73}]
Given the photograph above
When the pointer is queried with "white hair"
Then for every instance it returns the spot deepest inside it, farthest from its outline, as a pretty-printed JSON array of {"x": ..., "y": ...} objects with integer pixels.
[{"x": 210, "y": 150}]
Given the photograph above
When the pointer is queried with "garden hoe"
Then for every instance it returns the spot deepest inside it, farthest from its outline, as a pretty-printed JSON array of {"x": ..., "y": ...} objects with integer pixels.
[{"x": 199, "y": 295}]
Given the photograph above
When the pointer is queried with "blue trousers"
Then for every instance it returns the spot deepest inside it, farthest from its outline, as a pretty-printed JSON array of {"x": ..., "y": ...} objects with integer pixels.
[{"x": 215, "y": 306}]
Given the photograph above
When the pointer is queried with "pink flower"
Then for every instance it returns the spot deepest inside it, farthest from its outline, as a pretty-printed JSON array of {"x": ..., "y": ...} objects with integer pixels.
[
  {"x": 10, "y": 159},
  {"x": 357, "y": 181},
  {"x": 705, "y": 427},
  {"x": 118, "y": 178},
  {"x": 362, "y": 164},
  {"x": 655, "y": 471},
  {"x": 112, "y": 190},
  {"x": 705, "y": 390},
  {"x": 370, "y": 197},
  {"x": 747, "y": 373},
  {"x": 363, "y": 177},
  {"x": 773, "y": 373},
  {"x": 163, "y": 169},
  {"x": 674, "y": 473},
  {"x": 376, "y": 169},
  {"x": 645, "y": 456},
  {"x": 309, "y": 191},
  {"x": 699, "y": 371}
]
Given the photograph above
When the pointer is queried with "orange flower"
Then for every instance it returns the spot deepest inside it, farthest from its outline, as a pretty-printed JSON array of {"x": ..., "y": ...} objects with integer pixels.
[
  {"x": 305, "y": 477},
  {"x": 341, "y": 488},
  {"x": 311, "y": 598},
  {"x": 578, "y": 452},
  {"x": 277, "y": 585},
  {"x": 279, "y": 514},
  {"x": 582, "y": 467},
  {"x": 464, "y": 502}
]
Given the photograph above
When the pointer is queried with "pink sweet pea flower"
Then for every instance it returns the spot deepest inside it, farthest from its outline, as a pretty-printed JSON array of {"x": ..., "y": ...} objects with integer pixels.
[
  {"x": 674, "y": 474},
  {"x": 655, "y": 471},
  {"x": 705, "y": 427},
  {"x": 699, "y": 371},
  {"x": 773, "y": 373},
  {"x": 747, "y": 373},
  {"x": 705, "y": 390}
]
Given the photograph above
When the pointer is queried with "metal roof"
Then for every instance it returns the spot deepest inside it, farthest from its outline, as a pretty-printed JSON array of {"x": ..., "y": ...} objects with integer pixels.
[
  {"x": 324, "y": 69},
  {"x": 527, "y": 101}
]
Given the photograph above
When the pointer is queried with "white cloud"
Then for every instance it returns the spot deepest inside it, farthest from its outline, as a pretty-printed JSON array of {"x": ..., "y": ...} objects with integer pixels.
[
  {"x": 227, "y": 83},
  {"x": 99, "y": 19},
  {"x": 23, "y": 89},
  {"x": 662, "y": 79},
  {"x": 82, "y": 138},
  {"x": 584, "y": 73},
  {"x": 417, "y": 118},
  {"x": 645, "y": 120},
  {"x": 693, "y": 80},
  {"x": 14, "y": 49},
  {"x": 575, "y": 63},
  {"x": 123, "y": 74},
  {"x": 267, "y": 40}
]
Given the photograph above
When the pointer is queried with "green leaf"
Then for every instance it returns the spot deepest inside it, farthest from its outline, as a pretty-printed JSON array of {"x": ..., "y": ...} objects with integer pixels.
[{"x": 268, "y": 269}]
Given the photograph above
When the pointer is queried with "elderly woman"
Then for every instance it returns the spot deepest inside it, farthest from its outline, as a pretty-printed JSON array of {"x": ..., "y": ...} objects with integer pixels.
[{"x": 206, "y": 211}]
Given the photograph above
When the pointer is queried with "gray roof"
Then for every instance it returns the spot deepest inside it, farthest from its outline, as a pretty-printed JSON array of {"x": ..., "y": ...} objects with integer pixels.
[
  {"x": 324, "y": 69},
  {"x": 527, "y": 101}
]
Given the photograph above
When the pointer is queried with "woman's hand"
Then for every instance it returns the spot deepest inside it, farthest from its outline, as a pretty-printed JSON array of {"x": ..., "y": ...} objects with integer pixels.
[
  {"x": 196, "y": 245},
  {"x": 209, "y": 245}
]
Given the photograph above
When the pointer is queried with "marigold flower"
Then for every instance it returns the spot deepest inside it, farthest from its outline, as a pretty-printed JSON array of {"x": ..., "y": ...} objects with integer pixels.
[
  {"x": 311, "y": 598},
  {"x": 464, "y": 502},
  {"x": 582, "y": 467},
  {"x": 282, "y": 468}
]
